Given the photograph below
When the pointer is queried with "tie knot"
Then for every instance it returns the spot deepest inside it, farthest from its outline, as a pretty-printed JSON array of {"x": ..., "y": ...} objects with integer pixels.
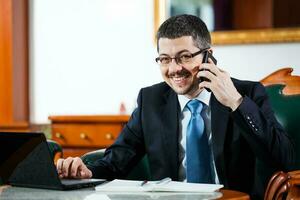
[{"x": 195, "y": 106}]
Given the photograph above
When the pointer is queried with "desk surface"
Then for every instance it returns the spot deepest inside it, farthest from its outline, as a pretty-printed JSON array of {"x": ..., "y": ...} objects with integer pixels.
[{"x": 12, "y": 193}]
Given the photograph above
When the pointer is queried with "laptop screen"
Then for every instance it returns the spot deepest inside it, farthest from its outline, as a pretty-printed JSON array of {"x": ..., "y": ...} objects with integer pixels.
[
  {"x": 15, "y": 147},
  {"x": 25, "y": 159}
]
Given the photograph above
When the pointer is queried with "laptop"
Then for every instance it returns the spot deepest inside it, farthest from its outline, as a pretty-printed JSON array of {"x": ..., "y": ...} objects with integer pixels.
[{"x": 26, "y": 161}]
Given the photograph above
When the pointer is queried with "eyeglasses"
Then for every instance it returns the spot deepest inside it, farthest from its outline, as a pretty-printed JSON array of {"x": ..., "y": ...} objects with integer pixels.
[{"x": 182, "y": 58}]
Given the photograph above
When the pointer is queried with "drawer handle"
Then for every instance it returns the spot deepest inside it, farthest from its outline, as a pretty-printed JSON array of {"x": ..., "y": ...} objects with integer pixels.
[
  {"x": 83, "y": 136},
  {"x": 59, "y": 135},
  {"x": 109, "y": 136}
]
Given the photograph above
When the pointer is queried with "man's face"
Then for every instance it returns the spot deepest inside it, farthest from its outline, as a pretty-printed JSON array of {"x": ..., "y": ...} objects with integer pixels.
[{"x": 180, "y": 77}]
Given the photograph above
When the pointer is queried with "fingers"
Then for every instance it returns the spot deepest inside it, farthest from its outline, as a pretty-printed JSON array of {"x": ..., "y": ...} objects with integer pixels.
[
  {"x": 79, "y": 169},
  {"x": 66, "y": 167},
  {"x": 205, "y": 84},
  {"x": 84, "y": 172},
  {"x": 72, "y": 168},
  {"x": 207, "y": 74},
  {"x": 59, "y": 167},
  {"x": 212, "y": 72},
  {"x": 216, "y": 82},
  {"x": 211, "y": 67}
]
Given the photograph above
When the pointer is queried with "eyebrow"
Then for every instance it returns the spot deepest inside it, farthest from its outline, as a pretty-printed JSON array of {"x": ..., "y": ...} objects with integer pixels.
[{"x": 179, "y": 52}]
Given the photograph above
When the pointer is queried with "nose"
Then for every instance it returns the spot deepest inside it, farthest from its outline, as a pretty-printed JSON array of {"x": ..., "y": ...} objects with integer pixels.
[{"x": 174, "y": 66}]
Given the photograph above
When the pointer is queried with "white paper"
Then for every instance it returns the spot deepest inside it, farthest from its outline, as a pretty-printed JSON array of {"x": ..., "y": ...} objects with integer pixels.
[
  {"x": 97, "y": 197},
  {"x": 156, "y": 186}
]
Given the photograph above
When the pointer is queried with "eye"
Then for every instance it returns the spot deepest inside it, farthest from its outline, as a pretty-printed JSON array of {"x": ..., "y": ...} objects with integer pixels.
[
  {"x": 185, "y": 57},
  {"x": 164, "y": 60}
]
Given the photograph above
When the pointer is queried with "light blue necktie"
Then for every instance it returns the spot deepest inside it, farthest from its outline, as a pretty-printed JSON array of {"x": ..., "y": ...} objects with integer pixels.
[{"x": 198, "y": 169}]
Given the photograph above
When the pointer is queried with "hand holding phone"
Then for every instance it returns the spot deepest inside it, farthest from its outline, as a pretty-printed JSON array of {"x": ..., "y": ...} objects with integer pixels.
[{"x": 207, "y": 55}]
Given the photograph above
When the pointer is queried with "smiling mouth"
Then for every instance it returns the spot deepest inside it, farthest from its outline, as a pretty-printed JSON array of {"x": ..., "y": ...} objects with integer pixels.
[{"x": 179, "y": 79}]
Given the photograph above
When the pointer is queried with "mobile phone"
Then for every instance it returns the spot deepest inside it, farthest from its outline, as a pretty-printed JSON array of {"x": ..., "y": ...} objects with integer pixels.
[{"x": 207, "y": 55}]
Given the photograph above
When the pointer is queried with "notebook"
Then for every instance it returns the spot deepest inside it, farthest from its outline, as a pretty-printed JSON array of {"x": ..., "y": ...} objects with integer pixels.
[
  {"x": 164, "y": 185},
  {"x": 26, "y": 161}
]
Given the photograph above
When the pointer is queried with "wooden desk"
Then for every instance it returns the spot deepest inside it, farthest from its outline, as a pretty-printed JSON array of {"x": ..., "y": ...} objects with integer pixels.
[
  {"x": 14, "y": 193},
  {"x": 234, "y": 195}
]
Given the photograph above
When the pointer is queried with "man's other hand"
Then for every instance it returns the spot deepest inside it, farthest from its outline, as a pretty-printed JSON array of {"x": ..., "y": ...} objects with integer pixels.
[{"x": 72, "y": 168}]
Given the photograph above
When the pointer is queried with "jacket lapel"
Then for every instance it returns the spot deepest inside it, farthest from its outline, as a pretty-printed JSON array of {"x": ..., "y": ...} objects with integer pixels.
[
  {"x": 169, "y": 131},
  {"x": 219, "y": 120}
]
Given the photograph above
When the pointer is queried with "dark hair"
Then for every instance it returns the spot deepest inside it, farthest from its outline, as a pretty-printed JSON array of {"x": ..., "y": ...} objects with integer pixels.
[{"x": 185, "y": 25}]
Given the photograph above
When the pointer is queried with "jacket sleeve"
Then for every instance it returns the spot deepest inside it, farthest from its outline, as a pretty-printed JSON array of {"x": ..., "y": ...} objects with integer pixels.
[
  {"x": 263, "y": 132},
  {"x": 125, "y": 152}
]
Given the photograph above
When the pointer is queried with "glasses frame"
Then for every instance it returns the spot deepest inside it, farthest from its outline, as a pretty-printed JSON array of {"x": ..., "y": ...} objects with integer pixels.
[{"x": 177, "y": 57}]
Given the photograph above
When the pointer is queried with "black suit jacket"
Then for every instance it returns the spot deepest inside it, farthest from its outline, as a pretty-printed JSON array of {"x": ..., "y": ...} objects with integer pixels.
[{"x": 240, "y": 139}]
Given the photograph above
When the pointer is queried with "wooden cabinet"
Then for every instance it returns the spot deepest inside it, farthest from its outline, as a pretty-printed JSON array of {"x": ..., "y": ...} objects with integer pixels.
[{"x": 81, "y": 134}]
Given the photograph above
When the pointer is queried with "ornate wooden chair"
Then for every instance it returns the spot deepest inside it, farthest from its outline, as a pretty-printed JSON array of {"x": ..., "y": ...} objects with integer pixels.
[
  {"x": 284, "y": 186},
  {"x": 284, "y": 92}
]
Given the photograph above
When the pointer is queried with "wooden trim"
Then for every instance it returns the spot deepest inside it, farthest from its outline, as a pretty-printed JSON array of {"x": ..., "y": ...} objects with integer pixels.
[
  {"x": 89, "y": 118},
  {"x": 233, "y": 195},
  {"x": 272, "y": 35},
  {"x": 20, "y": 61},
  {"x": 284, "y": 77},
  {"x": 14, "y": 103},
  {"x": 5, "y": 60},
  {"x": 160, "y": 14},
  {"x": 16, "y": 127},
  {"x": 256, "y": 36}
]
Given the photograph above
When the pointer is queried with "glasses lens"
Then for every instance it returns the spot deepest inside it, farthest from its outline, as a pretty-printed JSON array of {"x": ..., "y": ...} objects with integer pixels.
[
  {"x": 163, "y": 60},
  {"x": 185, "y": 58}
]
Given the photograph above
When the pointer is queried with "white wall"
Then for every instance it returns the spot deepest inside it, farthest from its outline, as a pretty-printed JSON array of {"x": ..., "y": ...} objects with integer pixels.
[
  {"x": 88, "y": 56},
  {"x": 254, "y": 62}
]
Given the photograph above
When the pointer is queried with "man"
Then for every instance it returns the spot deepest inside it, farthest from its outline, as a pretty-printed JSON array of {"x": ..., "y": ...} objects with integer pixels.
[{"x": 234, "y": 118}]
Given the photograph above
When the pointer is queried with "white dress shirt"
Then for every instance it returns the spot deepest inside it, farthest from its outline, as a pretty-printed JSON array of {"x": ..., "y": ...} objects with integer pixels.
[{"x": 204, "y": 97}]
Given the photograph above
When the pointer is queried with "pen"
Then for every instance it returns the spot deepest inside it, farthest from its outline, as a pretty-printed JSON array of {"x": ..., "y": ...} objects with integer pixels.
[
  {"x": 164, "y": 181},
  {"x": 144, "y": 182}
]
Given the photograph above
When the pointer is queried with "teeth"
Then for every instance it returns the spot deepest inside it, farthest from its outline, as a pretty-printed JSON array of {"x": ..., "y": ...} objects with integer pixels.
[{"x": 178, "y": 78}]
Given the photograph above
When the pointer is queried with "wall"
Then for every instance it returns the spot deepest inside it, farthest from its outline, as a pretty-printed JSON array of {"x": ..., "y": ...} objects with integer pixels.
[
  {"x": 254, "y": 62},
  {"x": 89, "y": 56}
]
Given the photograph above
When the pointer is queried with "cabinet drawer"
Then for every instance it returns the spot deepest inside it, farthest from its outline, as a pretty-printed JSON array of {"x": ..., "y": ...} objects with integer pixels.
[{"x": 86, "y": 135}]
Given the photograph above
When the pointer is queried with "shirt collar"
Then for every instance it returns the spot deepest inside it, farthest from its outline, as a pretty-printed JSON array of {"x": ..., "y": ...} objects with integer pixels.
[{"x": 203, "y": 96}]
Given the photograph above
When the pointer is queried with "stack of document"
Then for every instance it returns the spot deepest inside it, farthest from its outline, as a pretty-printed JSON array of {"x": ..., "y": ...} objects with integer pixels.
[{"x": 165, "y": 185}]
